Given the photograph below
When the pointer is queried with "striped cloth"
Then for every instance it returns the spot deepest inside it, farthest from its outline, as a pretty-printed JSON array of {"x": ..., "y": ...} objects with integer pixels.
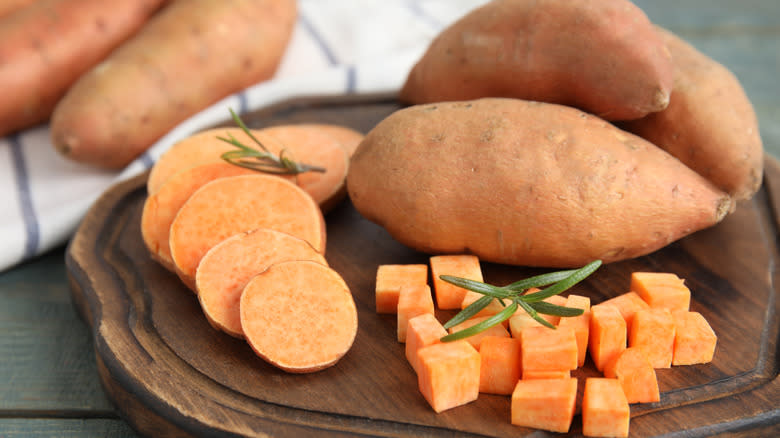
[{"x": 338, "y": 47}]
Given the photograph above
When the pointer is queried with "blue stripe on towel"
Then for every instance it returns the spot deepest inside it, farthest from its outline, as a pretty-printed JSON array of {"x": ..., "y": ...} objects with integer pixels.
[
  {"x": 417, "y": 10},
  {"x": 351, "y": 79},
  {"x": 32, "y": 228},
  {"x": 318, "y": 39},
  {"x": 243, "y": 103},
  {"x": 146, "y": 160}
]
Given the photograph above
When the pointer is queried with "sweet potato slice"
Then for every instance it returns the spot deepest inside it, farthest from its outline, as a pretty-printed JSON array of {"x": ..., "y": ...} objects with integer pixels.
[
  {"x": 227, "y": 206},
  {"x": 227, "y": 267},
  {"x": 160, "y": 208},
  {"x": 299, "y": 316}
]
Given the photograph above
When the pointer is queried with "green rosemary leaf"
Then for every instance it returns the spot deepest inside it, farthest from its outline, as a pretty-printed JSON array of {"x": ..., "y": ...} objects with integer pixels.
[
  {"x": 470, "y": 310},
  {"x": 534, "y": 314},
  {"x": 477, "y": 286},
  {"x": 539, "y": 280},
  {"x": 577, "y": 276},
  {"x": 498, "y": 318},
  {"x": 553, "y": 309}
]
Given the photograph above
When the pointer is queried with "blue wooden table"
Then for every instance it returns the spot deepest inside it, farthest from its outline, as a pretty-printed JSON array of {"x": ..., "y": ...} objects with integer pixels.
[{"x": 49, "y": 384}]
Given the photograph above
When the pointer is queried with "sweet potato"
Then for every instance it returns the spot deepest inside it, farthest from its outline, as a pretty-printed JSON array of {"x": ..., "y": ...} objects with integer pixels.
[
  {"x": 311, "y": 144},
  {"x": 580, "y": 324},
  {"x": 413, "y": 300},
  {"x": 449, "y": 296},
  {"x": 546, "y": 374},
  {"x": 628, "y": 304},
  {"x": 544, "y": 404},
  {"x": 662, "y": 289},
  {"x": 500, "y": 365},
  {"x": 421, "y": 331},
  {"x": 475, "y": 340},
  {"x": 710, "y": 124},
  {"x": 160, "y": 208},
  {"x": 299, "y": 316},
  {"x": 605, "y": 410},
  {"x": 694, "y": 339},
  {"x": 8, "y": 7},
  {"x": 229, "y": 265},
  {"x": 391, "y": 278},
  {"x": 449, "y": 374},
  {"x": 545, "y": 349},
  {"x": 525, "y": 183},
  {"x": 653, "y": 332},
  {"x": 147, "y": 86},
  {"x": 635, "y": 374},
  {"x": 603, "y": 57},
  {"x": 49, "y": 44},
  {"x": 607, "y": 337},
  {"x": 227, "y": 206}
]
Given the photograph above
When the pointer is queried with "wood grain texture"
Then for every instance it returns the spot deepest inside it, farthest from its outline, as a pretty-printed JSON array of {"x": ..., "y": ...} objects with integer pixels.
[{"x": 171, "y": 374}]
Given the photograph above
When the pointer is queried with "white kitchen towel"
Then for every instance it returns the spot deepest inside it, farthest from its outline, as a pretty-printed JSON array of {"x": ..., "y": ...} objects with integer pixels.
[{"x": 338, "y": 47}]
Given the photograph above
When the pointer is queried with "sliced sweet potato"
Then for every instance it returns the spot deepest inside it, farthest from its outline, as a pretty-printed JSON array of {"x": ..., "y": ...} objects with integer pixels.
[
  {"x": 608, "y": 336},
  {"x": 421, "y": 331},
  {"x": 548, "y": 349},
  {"x": 694, "y": 340},
  {"x": 227, "y": 267},
  {"x": 500, "y": 366},
  {"x": 449, "y": 374},
  {"x": 580, "y": 324},
  {"x": 546, "y": 404},
  {"x": 413, "y": 300},
  {"x": 449, "y": 296},
  {"x": 627, "y": 304},
  {"x": 605, "y": 410},
  {"x": 227, "y": 206},
  {"x": 635, "y": 374},
  {"x": 653, "y": 332},
  {"x": 299, "y": 316},
  {"x": 661, "y": 289}
]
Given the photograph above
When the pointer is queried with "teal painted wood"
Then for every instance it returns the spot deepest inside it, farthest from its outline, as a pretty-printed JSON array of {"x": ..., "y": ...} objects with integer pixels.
[
  {"x": 47, "y": 361},
  {"x": 64, "y": 428}
]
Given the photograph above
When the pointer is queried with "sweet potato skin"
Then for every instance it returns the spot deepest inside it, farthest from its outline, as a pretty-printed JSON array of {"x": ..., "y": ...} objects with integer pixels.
[
  {"x": 106, "y": 121},
  {"x": 525, "y": 183},
  {"x": 48, "y": 44},
  {"x": 710, "y": 124},
  {"x": 603, "y": 57}
]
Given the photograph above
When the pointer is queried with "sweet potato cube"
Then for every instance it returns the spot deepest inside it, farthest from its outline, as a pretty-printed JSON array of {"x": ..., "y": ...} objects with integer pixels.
[
  {"x": 628, "y": 304},
  {"x": 519, "y": 321},
  {"x": 412, "y": 301},
  {"x": 635, "y": 374},
  {"x": 449, "y": 296},
  {"x": 607, "y": 336},
  {"x": 491, "y": 309},
  {"x": 449, "y": 374},
  {"x": 580, "y": 324},
  {"x": 661, "y": 289},
  {"x": 694, "y": 340},
  {"x": 605, "y": 410},
  {"x": 476, "y": 340},
  {"x": 653, "y": 332},
  {"x": 546, "y": 404},
  {"x": 422, "y": 330},
  {"x": 500, "y": 369},
  {"x": 390, "y": 278},
  {"x": 543, "y": 374},
  {"x": 548, "y": 349}
]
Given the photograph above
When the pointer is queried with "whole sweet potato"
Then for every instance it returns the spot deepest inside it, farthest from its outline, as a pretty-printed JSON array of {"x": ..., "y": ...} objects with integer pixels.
[
  {"x": 525, "y": 183},
  {"x": 710, "y": 124},
  {"x": 604, "y": 57},
  {"x": 190, "y": 55}
]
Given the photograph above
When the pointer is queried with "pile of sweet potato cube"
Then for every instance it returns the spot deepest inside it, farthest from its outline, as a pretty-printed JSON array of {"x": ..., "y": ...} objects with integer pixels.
[{"x": 627, "y": 337}]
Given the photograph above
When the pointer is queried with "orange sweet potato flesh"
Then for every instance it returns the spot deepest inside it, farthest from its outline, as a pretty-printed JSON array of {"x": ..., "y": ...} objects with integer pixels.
[
  {"x": 603, "y": 57},
  {"x": 546, "y": 404},
  {"x": 48, "y": 44},
  {"x": 147, "y": 86},
  {"x": 391, "y": 278},
  {"x": 227, "y": 206},
  {"x": 710, "y": 124},
  {"x": 228, "y": 266},
  {"x": 314, "y": 144},
  {"x": 605, "y": 409},
  {"x": 422, "y": 330},
  {"x": 635, "y": 374},
  {"x": 500, "y": 365},
  {"x": 161, "y": 207},
  {"x": 299, "y": 316},
  {"x": 413, "y": 300},
  {"x": 525, "y": 183},
  {"x": 449, "y": 374},
  {"x": 8, "y": 7}
]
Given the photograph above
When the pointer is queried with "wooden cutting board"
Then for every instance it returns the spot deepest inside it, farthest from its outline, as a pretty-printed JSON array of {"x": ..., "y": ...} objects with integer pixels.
[{"x": 170, "y": 373}]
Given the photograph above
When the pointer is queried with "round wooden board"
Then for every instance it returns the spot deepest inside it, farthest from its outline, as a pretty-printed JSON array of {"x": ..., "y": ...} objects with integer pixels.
[{"x": 170, "y": 373}]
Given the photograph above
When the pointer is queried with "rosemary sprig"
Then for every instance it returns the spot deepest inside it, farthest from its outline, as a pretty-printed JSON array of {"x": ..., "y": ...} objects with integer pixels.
[
  {"x": 262, "y": 160},
  {"x": 532, "y": 303}
]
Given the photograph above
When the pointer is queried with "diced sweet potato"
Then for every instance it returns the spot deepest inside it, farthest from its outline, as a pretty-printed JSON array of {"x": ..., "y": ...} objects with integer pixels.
[
  {"x": 580, "y": 324},
  {"x": 661, "y": 289},
  {"x": 605, "y": 410},
  {"x": 422, "y": 330},
  {"x": 548, "y": 349},
  {"x": 500, "y": 369},
  {"x": 491, "y": 309},
  {"x": 519, "y": 321},
  {"x": 412, "y": 301},
  {"x": 607, "y": 336},
  {"x": 635, "y": 374},
  {"x": 694, "y": 340},
  {"x": 546, "y": 404},
  {"x": 653, "y": 332},
  {"x": 476, "y": 340},
  {"x": 390, "y": 278},
  {"x": 545, "y": 374},
  {"x": 449, "y": 374},
  {"x": 449, "y": 296},
  {"x": 628, "y": 304}
]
